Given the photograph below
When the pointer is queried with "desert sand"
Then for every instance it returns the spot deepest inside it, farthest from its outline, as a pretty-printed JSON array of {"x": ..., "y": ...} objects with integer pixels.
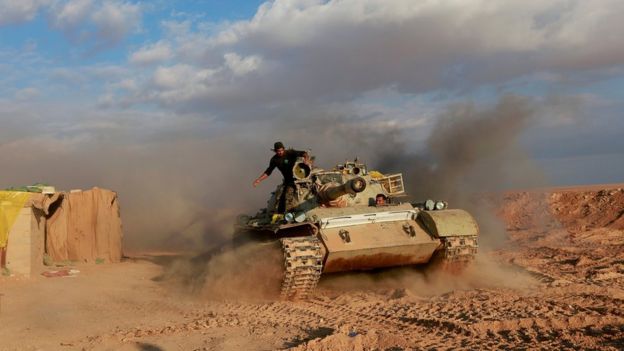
[{"x": 554, "y": 279}]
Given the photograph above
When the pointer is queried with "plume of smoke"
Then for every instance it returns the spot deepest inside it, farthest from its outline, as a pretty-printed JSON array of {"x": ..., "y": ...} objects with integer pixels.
[{"x": 471, "y": 151}]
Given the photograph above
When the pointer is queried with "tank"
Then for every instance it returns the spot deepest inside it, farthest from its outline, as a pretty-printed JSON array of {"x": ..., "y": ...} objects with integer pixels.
[{"x": 333, "y": 223}]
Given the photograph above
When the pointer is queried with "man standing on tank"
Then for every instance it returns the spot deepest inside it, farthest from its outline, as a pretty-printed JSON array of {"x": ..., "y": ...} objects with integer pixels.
[{"x": 284, "y": 160}]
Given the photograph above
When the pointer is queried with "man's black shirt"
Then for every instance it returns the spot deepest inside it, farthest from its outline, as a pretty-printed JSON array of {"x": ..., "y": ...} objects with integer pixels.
[{"x": 285, "y": 164}]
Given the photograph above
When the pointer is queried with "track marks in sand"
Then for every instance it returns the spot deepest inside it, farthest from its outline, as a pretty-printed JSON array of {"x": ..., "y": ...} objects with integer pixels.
[{"x": 477, "y": 318}]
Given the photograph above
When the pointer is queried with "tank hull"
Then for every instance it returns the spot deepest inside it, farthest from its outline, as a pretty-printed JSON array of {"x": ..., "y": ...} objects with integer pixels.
[
  {"x": 376, "y": 245},
  {"x": 353, "y": 239}
]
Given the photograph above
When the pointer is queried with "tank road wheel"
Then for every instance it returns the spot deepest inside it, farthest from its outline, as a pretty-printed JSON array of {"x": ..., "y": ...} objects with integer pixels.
[
  {"x": 303, "y": 263},
  {"x": 457, "y": 253}
]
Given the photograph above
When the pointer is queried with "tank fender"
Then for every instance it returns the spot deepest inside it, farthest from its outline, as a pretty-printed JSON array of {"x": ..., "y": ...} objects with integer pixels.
[{"x": 445, "y": 223}]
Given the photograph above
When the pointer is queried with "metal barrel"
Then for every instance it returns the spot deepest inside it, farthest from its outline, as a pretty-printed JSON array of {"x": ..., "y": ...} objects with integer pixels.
[{"x": 352, "y": 186}]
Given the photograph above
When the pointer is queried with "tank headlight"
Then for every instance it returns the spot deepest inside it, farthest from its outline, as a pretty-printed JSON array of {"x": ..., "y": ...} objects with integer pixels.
[
  {"x": 440, "y": 205},
  {"x": 429, "y": 205},
  {"x": 289, "y": 217},
  {"x": 300, "y": 217}
]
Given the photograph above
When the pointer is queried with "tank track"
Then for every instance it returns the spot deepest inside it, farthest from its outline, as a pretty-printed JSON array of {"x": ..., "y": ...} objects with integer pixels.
[
  {"x": 458, "y": 252},
  {"x": 303, "y": 264},
  {"x": 460, "y": 247}
]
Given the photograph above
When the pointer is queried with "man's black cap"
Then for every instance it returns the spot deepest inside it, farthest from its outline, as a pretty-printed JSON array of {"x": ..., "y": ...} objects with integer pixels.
[{"x": 278, "y": 145}]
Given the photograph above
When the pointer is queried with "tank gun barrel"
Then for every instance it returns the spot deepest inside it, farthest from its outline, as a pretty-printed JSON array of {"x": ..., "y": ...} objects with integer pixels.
[{"x": 352, "y": 186}]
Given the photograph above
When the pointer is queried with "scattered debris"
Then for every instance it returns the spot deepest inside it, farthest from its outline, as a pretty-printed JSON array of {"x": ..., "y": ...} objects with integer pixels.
[{"x": 60, "y": 273}]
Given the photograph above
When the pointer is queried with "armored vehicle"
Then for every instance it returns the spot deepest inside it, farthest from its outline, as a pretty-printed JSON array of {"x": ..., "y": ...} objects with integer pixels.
[{"x": 349, "y": 218}]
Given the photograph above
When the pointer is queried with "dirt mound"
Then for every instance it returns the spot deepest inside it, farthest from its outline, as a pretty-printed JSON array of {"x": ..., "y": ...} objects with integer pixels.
[
  {"x": 524, "y": 210},
  {"x": 345, "y": 339},
  {"x": 567, "y": 236},
  {"x": 575, "y": 209},
  {"x": 580, "y": 211}
]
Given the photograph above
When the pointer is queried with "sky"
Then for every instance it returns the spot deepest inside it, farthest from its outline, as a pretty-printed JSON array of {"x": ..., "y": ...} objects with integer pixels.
[{"x": 175, "y": 104}]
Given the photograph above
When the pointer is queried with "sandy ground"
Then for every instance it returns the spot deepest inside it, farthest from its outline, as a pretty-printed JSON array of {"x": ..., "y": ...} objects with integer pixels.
[{"x": 555, "y": 282}]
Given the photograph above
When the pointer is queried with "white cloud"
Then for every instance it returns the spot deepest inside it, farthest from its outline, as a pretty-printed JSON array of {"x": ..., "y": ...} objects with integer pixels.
[
  {"x": 241, "y": 66},
  {"x": 26, "y": 93},
  {"x": 127, "y": 84},
  {"x": 171, "y": 85},
  {"x": 313, "y": 49},
  {"x": 154, "y": 53},
  {"x": 70, "y": 14},
  {"x": 173, "y": 77},
  {"x": 95, "y": 23},
  {"x": 176, "y": 28},
  {"x": 115, "y": 20},
  {"x": 18, "y": 11}
]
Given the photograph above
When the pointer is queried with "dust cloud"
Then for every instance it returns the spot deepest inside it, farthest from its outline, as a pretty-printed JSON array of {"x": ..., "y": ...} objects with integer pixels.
[
  {"x": 180, "y": 190},
  {"x": 472, "y": 152},
  {"x": 432, "y": 280},
  {"x": 174, "y": 194},
  {"x": 250, "y": 271}
]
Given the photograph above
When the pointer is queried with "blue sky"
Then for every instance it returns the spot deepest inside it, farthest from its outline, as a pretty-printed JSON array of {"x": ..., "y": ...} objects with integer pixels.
[
  {"x": 54, "y": 49},
  {"x": 54, "y": 44},
  {"x": 192, "y": 94}
]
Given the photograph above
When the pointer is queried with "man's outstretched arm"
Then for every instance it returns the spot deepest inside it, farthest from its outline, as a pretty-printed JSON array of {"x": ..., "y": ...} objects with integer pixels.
[
  {"x": 262, "y": 177},
  {"x": 266, "y": 173}
]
